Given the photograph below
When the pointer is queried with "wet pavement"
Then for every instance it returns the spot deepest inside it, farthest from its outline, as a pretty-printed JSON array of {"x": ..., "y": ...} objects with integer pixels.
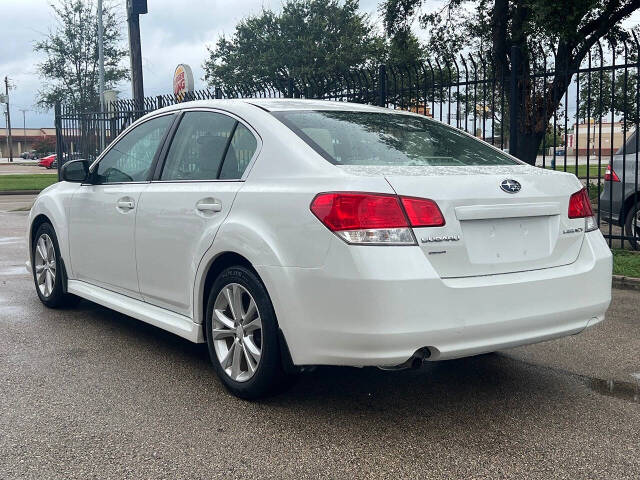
[{"x": 89, "y": 393}]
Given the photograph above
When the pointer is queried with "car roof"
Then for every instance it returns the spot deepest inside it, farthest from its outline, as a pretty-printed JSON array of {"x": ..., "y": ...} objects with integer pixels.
[{"x": 276, "y": 104}]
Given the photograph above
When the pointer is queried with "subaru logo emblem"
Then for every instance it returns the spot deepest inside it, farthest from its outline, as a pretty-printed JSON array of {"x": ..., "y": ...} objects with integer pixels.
[{"x": 510, "y": 186}]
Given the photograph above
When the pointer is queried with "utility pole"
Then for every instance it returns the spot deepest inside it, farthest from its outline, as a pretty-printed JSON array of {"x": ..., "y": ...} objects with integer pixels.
[
  {"x": 135, "y": 8},
  {"x": 6, "y": 90},
  {"x": 101, "y": 72},
  {"x": 24, "y": 127}
]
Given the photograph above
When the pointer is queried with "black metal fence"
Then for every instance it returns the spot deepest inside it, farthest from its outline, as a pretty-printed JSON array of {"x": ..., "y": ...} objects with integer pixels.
[{"x": 590, "y": 127}]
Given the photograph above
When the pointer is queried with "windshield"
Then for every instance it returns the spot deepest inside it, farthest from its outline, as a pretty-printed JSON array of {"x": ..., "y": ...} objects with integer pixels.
[{"x": 368, "y": 138}]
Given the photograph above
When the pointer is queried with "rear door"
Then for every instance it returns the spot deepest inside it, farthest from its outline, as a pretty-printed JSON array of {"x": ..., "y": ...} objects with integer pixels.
[{"x": 182, "y": 209}]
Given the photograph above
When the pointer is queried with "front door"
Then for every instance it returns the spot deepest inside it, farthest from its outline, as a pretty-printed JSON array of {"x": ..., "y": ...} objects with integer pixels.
[
  {"x": 179, "y": 215},
  {"x": 103, "y": 214}
]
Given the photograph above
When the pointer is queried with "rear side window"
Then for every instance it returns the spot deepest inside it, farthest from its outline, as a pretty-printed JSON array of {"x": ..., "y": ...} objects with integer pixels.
[
  {"x": 370, "y": 138},
  {"x": 198, "y": 147},
  {"x": 209, "y": 146},
  {"x": 243, "y": 146},
  {"x": 630, "y": 146}
]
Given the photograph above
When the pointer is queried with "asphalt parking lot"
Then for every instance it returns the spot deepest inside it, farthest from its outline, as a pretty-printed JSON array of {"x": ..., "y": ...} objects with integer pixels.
[{"x": 90, "y": 393}]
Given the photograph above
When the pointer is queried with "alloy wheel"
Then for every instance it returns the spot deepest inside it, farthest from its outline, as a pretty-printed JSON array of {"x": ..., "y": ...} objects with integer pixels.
[
  {"x": 237, "y": 332},
  {"x": 45, "y": 264}
]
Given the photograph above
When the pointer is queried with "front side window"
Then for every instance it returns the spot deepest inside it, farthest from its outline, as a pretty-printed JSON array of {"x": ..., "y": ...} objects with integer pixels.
[
  {"x": 131, "y": 158},
  {"x": 368, "y": 138}
]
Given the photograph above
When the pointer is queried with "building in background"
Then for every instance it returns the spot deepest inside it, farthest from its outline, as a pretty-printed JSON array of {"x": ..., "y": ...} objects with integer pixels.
[
  {"x": 597, "y": 137},
  {"x": 25, "y": 140}
]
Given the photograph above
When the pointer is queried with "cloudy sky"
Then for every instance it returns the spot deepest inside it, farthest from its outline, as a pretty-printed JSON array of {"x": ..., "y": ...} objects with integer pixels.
[{"x": 172, "y": 32}]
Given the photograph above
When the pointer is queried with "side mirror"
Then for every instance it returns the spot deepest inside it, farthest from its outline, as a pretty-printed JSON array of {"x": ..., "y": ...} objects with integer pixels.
[{"x": 76, "y": 171}]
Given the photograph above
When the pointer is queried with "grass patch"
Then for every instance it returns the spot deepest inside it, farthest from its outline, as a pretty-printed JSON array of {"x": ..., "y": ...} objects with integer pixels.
[
  {"x": 581, "y": 171},
  {"x": 626, "y": 262},
  {"x": 27, "y": 181}
]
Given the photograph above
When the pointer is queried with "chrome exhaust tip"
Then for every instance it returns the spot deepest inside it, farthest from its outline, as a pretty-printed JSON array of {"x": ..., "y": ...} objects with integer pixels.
[{"x": 414, "y": 362}]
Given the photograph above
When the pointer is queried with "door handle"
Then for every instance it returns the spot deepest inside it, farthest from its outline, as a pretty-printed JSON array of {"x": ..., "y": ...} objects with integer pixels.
[
  {"x": 126, "y": 204},
  {"x": 209, "y": 205}
]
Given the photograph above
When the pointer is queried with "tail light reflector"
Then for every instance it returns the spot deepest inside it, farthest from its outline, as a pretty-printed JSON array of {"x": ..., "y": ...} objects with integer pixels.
[
  {"x": 375, "y": 218},
  {"x": 580, "y": 207},
  {"x": 611, "y": 175}
]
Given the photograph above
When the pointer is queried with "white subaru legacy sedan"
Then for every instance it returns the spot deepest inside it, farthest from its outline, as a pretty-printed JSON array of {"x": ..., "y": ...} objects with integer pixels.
[{"x": 292, "y": 233}]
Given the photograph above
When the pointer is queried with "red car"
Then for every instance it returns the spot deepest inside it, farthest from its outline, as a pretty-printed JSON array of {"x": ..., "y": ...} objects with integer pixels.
[{"x": 47, "y": 161}]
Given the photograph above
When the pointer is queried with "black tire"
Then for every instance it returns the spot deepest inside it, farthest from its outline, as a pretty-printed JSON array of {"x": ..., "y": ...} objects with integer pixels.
[
  {"x": 269, "y": 377},
  {"x": 57, "y": 298},
  {"x": 633, "y": 224}
]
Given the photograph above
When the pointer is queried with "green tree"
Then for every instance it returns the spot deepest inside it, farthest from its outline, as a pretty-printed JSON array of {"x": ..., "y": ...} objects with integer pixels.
[
  {"x": 599, "y": 98},
  {"x": 572, "y": 27},
  {"x": 309, "y": 38},
  {"x": 70, "y": 69}
]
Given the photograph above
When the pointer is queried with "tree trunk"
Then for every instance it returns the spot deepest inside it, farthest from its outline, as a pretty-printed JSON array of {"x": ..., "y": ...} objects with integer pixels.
[{"x": 527, "y": 146}]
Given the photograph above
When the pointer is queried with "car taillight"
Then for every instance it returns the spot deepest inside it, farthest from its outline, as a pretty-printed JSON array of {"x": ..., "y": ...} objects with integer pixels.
[
  {"x": 580, "y": 207},
  {"x": 422, "y": 212},
  {"x": 375, "y": 218},
  {"x": 610, "y": 175}
]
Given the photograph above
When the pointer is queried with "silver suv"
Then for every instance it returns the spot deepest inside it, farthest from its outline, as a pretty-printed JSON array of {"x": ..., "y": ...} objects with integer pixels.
[{"x": 620, "y": 198}]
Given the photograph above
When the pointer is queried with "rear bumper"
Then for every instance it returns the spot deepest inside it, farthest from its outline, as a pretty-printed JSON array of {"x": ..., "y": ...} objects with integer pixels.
[{"x": 378, "y": 305}]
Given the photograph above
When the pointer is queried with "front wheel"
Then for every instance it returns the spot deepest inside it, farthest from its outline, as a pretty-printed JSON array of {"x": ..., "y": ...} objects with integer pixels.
[
  {"x": 632, "y": 226},
  {"x": 242, "y": 335},
  {"x": 47, "y": 269}
]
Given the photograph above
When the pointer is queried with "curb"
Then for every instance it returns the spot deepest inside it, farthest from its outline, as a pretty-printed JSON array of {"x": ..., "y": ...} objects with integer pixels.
[
  {"x": 20, "y": 192},
  {"x": 626, "y": 283}
]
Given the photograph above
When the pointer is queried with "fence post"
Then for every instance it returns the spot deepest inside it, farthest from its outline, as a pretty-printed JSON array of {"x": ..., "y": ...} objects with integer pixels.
[
  {"x": 514, "y": 100},
  {"x": 160, "y": 101},
  {"x": 58, "y": 125},
  {"x": 290, "y": 88},
  {"x": 382, "y": 85},
  {"x": 218, "y": 92}
]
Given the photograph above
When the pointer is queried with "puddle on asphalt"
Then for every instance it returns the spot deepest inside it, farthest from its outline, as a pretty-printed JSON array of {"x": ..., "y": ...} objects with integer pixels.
[
  {"x": 14, "y": 270},
  {"x": 8, "y": 240},
  {"x": 629, "y": 391},
  {"x": 13, "y": 313}
]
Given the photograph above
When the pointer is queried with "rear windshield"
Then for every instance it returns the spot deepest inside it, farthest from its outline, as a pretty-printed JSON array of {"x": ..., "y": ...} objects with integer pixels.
[{"x": 366, "y": 138}]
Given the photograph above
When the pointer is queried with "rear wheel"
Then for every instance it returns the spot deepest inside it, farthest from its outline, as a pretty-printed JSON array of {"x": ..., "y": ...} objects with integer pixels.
[
  {"x": 242, "y": 335},
  {"x": 48, "y": 270},
  {"x": 632, "y": 226}
]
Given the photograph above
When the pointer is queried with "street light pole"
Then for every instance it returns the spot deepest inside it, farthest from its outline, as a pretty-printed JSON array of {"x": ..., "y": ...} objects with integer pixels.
[
  {"x": 24, "y": 127},
  {"x": 134, "y": 9},
  {"x": 6, "y": 89}
]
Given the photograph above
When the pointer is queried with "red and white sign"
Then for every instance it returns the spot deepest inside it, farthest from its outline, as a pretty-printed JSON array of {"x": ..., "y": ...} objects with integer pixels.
[{"x": 182, "y": 81}]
